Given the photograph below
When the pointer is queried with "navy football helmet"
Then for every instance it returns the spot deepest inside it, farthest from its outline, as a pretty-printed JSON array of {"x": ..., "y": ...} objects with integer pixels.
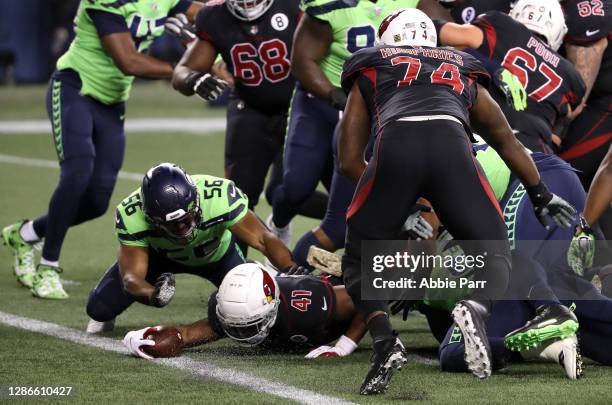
[{"x": 171, "y": 202}]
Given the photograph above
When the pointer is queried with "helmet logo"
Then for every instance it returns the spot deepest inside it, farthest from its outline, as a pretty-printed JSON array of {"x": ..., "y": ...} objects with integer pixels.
[
  {"x": 279, "y": 22},
  {"x": 175, "y": 214},
  {"x": 268, "y": 287}
]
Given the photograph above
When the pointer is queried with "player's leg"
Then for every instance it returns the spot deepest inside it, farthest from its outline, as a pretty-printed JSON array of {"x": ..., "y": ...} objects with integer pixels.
[
  {"x": 377, "y": 212},
  {"x": 465, "y": 202},
  {"x": 307, "y": 155},
  {"x": 106, "y": 301},
  {"x": 330, "y": 234}
]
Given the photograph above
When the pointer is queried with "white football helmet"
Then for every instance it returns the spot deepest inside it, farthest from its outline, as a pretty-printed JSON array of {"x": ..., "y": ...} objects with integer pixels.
[
  {"x": 542, "y": 16},
  {"x": 247, "y": 303},
  {"x": 248, "y": 10},
  {"x": 407, "y": 26}
]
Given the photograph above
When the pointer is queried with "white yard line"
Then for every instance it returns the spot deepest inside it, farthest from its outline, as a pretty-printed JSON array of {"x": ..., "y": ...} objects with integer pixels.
[
  {"x": 198, "y": 126},
  {"x": 200, "y": 368},
  {"x": 52, "y": 164}
]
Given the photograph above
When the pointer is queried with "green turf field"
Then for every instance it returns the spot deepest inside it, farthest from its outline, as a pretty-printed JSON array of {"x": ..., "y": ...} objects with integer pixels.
[{"x": 28, "y": 358}]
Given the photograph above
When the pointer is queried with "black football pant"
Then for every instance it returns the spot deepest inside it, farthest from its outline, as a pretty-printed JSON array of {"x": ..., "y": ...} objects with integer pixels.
[{"x": 434, "y": 160}]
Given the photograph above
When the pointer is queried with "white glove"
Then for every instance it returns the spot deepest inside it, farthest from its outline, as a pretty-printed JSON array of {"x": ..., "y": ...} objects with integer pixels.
[
  {"x": 416, "y": 224},
  {"x": 179, "y": 26},
  {"x": 343, "y": 347},
  {"x": 135, "y": 339}
]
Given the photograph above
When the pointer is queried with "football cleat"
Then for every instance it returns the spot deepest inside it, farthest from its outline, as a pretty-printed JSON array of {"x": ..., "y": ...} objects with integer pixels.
[
  {"x": 389, "y": 356},
  {"x": 470, "y": 317},
  {"x": 47, "y": 283},
  {"x": 284, "y": 233},
  {"x": 23, "y": 254},
  {"x": 94, "y": 327},
  {"x": 565, "y": 352},
  {"x": 550, "y": 322}
]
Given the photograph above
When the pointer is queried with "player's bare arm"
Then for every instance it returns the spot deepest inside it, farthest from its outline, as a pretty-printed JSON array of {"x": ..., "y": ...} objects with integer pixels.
[
  {"x": 252, "y": 231},
  {"x": 587, "y": 61},
  {"x": 345, "y": 309},
  {"x": 133, "y": 265},
  {"x": 354, "y": 134},
  {"x": 121, "y": 48},
  {"x": 193, "y": 9},
  {"x": 489, "y": 121},
  {"x": 310, "y": 45},
  {"x": 198, "y": 333},
  {"x": 460, "y": 36},
  {"x": 600, "y": 192},
  {"x": 198, "y": 58},
  {"x": 434, "y": 10}
]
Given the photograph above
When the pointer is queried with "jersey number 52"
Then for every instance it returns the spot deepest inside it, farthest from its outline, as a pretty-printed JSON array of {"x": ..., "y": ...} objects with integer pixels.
[{"x": 273, "y": 58}]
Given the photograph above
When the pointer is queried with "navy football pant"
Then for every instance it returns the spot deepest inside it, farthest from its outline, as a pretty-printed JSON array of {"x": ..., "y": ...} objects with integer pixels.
[
  {"x": 434, "y": 160},
  {"x": 308, "y": 154},
  {"x": 108, "y": 299},
  {"x": 90, "y": 145}
]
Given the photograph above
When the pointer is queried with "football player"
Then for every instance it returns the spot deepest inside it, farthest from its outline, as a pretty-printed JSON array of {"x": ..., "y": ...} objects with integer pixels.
[
  {"x": 327, "y": 35},
  {"x": 284, "y": 312},
  {"x": 418, "y": 101},
  {"x": 525, "y": 43},
  {"x": 254, "y": 38},
  {"x": 86, "y": 107},
  {"x": 465, "y": 11},
  {"x": 177, "y": 224},
  {"x": 587, "y": 45}
]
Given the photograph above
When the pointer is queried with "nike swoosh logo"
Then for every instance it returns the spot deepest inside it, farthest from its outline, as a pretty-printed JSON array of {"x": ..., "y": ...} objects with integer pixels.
[
  {"x": 590, "y": 33},
  {"x": 324, "y": 308},
  {"x": 549, "y": 322}
]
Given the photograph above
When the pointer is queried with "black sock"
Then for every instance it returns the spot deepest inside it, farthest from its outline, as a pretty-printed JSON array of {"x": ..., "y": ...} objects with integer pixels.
[{"x": 380, "y": 328}]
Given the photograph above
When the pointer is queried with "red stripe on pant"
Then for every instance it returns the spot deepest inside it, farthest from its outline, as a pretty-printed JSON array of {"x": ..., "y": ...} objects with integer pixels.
[
  {"x": 360, "y": 197},
  {"x": 487, "y": 188},
  {"x": 583, "y": 148}
]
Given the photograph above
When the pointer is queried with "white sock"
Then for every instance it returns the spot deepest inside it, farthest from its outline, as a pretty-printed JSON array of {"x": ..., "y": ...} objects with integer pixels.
[
  {"x": 28, "y": 233},
  {"x": 49, "y": 262}
]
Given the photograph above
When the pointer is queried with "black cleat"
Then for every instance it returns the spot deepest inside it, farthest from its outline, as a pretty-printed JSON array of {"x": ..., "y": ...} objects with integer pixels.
[
  {"x": 389, "y": 356},
  {"x": 550, "y": 322},
  {"x": 470, "y": 317}
]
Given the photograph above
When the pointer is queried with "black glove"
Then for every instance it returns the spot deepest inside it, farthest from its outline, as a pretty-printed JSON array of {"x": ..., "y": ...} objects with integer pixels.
[
  {"x": 337, "y": 98},
  {"x": 296, "y": 270},
  {"x": 165, "y": 287},
  {"x": 179, "y": 26},
  {"x": 546, "y": 203},
  {"x": 206, "y": 86}
]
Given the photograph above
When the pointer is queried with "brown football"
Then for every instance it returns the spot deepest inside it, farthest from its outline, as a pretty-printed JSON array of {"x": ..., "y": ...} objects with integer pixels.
[{"x": 168, "y": 342}]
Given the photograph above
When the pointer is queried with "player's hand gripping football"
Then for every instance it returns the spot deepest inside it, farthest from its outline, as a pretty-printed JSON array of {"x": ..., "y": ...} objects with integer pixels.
[
  {"x": 135, "y": 339},
  {"x": 512, "y": 88},
  {"x": 165, "y": 286},
  {"x": 343, "y": 347},
  {"x": 179, "y": 26},
  {"x": 546, "y": 204}
]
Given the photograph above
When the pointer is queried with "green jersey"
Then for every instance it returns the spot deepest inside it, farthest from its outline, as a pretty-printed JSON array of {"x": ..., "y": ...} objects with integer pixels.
[
  {"x": 101, "y": 78},
  {"x": 354, "y": 25},
  {"x": 222, "y": 205},
  {"x": 496, "y": 171}
]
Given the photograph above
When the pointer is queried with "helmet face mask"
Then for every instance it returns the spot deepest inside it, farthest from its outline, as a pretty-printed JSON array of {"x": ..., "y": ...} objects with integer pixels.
[
  {"x": 248, "y": 10},
  {"x": 247, "y": 304},
  {"x": 544, "y": 17},
  {"x": 171, "y": 202},
  {"x": 407, "y": 27}
]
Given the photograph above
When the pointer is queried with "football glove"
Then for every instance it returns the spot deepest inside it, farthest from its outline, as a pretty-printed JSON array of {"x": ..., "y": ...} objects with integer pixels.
[
  {"x": 165, "y": 286},
  {"x": 337, "y": 98},
  {"x": 206, "y": 86},
  {"x": 135, "y": 339},
  {"x": 511, "y": 87},
  {"x": 179, "y": 26},
  {"x": 343, "y": 347},
  {"x": 296, "y": 270},
  {"x": 546, "y": 204},
  {"x": 581, "y": 249},
  {"x": 416, "y": 227}
]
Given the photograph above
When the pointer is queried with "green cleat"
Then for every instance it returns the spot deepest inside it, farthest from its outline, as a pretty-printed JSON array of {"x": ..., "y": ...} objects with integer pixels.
[
  {"x": 23, "y": 254},
  {"x": 550, "y": 322},
  {"x": 47, "y": 283}
]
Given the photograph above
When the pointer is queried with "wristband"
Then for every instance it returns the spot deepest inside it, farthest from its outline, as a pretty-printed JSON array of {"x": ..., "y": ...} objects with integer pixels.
[
  {"x": 539, "y": 193},
  {"x": 346, "y": 345}
]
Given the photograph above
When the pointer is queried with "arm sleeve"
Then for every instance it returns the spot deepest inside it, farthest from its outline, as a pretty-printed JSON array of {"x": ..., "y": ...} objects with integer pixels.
[
  {"x": 181, "y": 7},
  {"x": 352, "y": 69},
  {"x": 484, "y": 22},
  {"x": 107, "y": 23},
  {"x": 203, "y": 24}
]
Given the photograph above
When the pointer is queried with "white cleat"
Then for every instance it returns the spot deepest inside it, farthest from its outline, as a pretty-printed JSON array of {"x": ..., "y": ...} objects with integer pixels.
[
  {"x": 94, "y": 327},
  {"x": 470, "y": 316},
  {"x": 565, "y": 352},
  {"x": 284, "y": 233}
]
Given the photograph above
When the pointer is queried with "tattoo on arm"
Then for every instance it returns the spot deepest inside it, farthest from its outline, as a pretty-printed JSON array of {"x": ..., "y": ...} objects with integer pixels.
[{"x": 587, "y": 60}]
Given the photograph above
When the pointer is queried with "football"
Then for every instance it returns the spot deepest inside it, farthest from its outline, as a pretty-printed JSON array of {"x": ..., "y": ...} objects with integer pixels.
[{"x": 168, "y": 342}]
